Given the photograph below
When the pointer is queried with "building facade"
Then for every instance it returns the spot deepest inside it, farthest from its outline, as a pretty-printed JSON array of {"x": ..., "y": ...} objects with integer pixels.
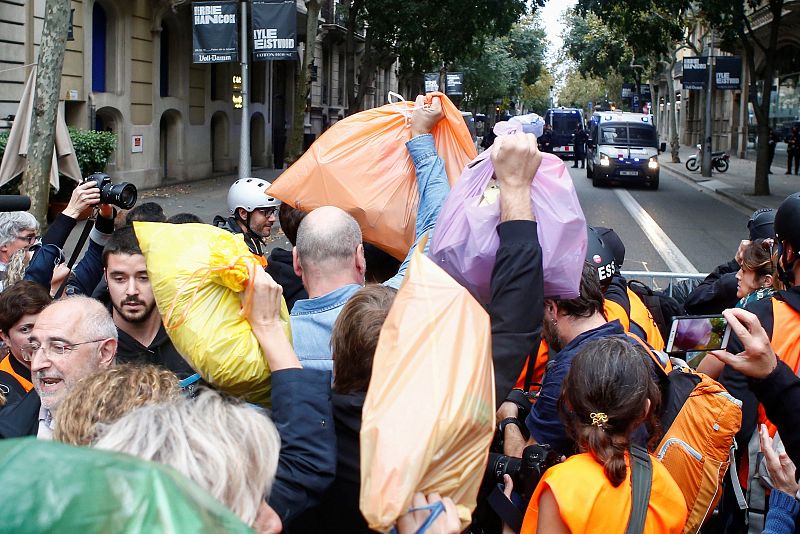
[{"x": 129, "y": 70}]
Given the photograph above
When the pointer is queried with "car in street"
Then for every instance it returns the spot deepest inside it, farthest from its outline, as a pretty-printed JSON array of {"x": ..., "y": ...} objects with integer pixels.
[{"x": 623, "y": 147}]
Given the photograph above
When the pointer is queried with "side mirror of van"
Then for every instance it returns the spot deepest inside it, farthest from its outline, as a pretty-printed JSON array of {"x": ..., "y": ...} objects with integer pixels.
[{"x": 662, "y": 147}]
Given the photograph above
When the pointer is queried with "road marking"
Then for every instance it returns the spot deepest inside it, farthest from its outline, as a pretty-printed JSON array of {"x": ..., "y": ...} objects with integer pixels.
[{"x": 673, "y": 257}]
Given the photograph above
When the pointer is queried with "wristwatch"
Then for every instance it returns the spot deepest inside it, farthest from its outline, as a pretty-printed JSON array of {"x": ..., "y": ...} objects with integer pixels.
[{"x": 513, "y": 421}]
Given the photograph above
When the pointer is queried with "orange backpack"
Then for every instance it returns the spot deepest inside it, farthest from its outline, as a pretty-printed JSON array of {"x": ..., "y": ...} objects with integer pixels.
[{"x": 700, "y": 420}]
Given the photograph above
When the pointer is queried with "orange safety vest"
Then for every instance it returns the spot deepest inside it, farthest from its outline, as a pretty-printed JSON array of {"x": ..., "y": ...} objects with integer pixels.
[
  {"x": 5, "y": 365},
  {"x": 786, "y": 344},
  {"x": 538, "y": 367},
  {"x": 614, "y": 311},
  {"x": 642, "y": 317},
  {"x": 587, "y": 501}
]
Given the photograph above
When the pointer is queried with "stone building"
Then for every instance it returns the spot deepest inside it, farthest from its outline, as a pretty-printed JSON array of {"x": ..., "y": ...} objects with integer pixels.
[{"x": 129, "y": 70}]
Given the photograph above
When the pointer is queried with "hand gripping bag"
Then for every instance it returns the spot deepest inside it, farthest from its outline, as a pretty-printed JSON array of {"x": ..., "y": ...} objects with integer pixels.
[
  {"x": 465, "y": 241},
  {"x": 197, "y": 272},
  {"x": 361, "y": 165},
  {"x": 428, "y": 418}
]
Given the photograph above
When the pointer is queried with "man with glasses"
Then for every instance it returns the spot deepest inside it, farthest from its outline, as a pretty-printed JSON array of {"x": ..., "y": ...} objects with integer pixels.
[
  {"x": 72, "y": 338},
  {"x": 18, "y": 230},
  {"x": 253, "y": 213}
]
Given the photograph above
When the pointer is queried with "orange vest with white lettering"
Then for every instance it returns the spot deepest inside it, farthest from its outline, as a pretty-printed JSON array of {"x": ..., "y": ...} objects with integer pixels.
[{"x": 5, "y": 365}]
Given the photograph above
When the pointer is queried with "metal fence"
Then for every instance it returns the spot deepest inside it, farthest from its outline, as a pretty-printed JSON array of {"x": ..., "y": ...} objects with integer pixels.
[{"x": 661, "y": 280}]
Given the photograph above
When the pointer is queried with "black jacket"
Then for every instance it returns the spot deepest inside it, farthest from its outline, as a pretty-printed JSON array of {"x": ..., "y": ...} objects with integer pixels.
[
  {"x": 516, "y": 308},
  {"x": 301, "y": 410},
  {"x": 716, "y": 293},
  {"x": 160, "y": 352},
  {"x": 739, "y": 386},
  {"x": 21, "y": 419},
  {"x": 339, "y": 511},
  {"x": 780, "y": 395},
  {"x": 281, "y": 268}
]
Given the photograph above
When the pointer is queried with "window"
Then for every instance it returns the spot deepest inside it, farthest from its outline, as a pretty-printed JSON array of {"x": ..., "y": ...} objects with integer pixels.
[{"x": 99, "y": 32}]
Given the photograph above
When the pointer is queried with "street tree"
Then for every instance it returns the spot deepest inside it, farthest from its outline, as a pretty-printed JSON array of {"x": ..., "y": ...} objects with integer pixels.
[
  {"x": 294, "y": 146},
  {"x": 580, "y": 89},
  {"x": 504, "y": 66},
  {"x": 734, "y": 20},
  {"x": 41, "y": 141},
  {"x": 536, "y": 97}
]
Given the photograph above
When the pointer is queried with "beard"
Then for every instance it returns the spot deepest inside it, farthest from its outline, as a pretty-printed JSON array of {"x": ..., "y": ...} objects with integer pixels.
[
  {"x": 550, "y": 334},
  {"x": 140, "y": 315}
]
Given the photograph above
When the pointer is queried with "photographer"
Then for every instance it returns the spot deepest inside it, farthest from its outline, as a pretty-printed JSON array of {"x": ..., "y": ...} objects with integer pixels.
[{"x": 49, "y": 255}]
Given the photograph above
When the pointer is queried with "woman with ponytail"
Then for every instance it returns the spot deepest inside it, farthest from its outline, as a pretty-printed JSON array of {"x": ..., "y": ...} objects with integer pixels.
[{"x": 608, "y": 400}]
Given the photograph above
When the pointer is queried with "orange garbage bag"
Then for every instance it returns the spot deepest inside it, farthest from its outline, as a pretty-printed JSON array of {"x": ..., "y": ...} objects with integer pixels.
[
  {"x": 428, "y": 418},
  {"x": 361, "y": 165}
]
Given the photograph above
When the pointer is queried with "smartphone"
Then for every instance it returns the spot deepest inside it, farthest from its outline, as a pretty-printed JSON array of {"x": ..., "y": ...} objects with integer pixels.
[{"x": 694, "y": 335}]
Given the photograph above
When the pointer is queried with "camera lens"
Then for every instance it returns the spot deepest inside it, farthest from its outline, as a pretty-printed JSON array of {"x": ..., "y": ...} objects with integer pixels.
[{"x": 122, "y": 195}]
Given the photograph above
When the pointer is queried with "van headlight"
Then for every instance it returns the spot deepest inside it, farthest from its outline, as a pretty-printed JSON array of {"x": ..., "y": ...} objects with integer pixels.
[
  {"x": 604, "y": 161},
  {"x": 653, "y": 163}
]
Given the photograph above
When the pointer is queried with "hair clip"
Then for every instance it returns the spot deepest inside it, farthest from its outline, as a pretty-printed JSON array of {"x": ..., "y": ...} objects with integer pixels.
[{"x": 599, "y": 419}]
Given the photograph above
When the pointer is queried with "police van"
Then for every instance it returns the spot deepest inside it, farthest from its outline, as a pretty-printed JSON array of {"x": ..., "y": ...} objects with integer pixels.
[
  {"x": 563, "y": 122},
  {"x": 622, "y": 147}
]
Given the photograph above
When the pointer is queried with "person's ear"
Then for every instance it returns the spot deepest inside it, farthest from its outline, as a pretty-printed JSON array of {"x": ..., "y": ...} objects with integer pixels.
[
  {"x": 108, "y": 350},
  {"x": 298, "y": 268},
  {"x": 361, "y": 261},
  {"x": 242, "y": 213},
  {"x": 767, "y": 282}
]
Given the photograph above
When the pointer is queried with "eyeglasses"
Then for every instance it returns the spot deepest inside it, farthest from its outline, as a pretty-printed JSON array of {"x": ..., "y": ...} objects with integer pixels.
[
  {"x": 266, "y": 212},
  {"x": 55, "y": 348},
  {"x": 30, "y": 239}
]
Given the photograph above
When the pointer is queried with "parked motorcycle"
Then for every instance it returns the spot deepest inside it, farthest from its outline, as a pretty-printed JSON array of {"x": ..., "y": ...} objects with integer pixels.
[{"x": 719, "y": 161}]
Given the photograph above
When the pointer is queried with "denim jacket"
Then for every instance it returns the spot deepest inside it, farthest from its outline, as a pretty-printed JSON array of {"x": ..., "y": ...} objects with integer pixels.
[{"x": 312, "y": 319}]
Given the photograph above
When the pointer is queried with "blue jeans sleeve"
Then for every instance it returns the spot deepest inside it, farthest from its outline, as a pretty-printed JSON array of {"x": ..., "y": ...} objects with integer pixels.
[{"x": 433, "y": 189}]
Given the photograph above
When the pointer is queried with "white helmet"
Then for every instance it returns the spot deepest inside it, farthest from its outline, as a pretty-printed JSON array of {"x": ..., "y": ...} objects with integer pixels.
[{"x": 250, "y": 193}]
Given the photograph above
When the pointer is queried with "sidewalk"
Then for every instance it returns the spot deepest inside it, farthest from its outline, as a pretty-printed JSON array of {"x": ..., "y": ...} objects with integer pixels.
[{"x": 737, "y": 183}]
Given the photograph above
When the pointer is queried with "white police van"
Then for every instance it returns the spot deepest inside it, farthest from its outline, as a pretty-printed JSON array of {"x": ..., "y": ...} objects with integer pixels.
[{"x": 622, "y": 147}]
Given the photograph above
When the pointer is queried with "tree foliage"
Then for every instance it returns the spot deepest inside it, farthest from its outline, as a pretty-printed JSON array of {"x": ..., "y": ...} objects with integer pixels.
[
  {"x": 536, "y": 97},
  {"x": 504, "y": 66},
  {"x": 580, "y": 89}
]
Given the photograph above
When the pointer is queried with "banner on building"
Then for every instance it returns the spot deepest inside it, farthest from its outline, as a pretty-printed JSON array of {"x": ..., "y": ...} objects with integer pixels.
[
  {"x": 454, "y": 84},
  {"x": 627, "y": 90},
  {"x": 695, "y": 75},
  {"x": 728, "y": 73},
  {"x": 274, "y": 30},
  {"x": 644, "y": 90},
  {"x": 215, "y": 32},
  {"x": 431, "y": 82}
]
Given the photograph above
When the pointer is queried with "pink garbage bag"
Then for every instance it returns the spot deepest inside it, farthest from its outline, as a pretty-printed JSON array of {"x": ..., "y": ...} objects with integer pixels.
[{"x": 465, "y": 241}]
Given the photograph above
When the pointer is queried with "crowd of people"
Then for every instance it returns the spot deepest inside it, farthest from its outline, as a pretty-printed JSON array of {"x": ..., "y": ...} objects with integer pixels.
[{"x": 90, "y": 363}]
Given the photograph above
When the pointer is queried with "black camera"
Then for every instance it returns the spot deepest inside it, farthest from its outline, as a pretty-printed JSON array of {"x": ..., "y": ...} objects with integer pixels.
[
  {"x": 123, "y": 195},
  {"x": 526, "y": 471}
]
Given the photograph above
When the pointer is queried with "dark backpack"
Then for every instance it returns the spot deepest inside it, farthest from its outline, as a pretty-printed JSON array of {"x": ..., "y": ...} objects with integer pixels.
[{"x": 661, "y": 306}]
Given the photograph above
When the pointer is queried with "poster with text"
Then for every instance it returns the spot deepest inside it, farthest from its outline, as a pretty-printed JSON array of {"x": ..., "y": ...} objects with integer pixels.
[
  {"x": 215, "y": 32},
  {"x": 695, "y": 75},
  {"x": 274, "y": 31},
  {"x": 728, "y": 73}
]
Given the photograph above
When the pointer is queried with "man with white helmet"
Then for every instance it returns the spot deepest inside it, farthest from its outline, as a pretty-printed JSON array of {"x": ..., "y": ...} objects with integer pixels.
[{"x": 252, "y": 212}]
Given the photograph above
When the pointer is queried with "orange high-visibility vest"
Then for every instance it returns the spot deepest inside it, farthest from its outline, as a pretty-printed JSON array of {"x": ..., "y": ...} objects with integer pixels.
[
  {"x": 540, "y": 362},
  {"x": 5, "y": 365},
  {"x": 614, "y": 311},
  {"x": 587, "y": 501},
  {"x": 642, "y": 317},
  {"x": 786, "y": 344}
]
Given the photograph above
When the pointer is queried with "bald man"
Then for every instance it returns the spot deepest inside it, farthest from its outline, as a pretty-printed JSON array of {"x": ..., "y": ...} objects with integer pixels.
[
  {"x": 329, "y": 254},
  {"x": 72, "y": 338}
]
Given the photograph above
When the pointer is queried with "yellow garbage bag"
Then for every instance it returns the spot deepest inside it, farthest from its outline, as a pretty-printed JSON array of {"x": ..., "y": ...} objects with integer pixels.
[
  {"x": 428, "y": 417},
  {"x": 197, "y": 272}
]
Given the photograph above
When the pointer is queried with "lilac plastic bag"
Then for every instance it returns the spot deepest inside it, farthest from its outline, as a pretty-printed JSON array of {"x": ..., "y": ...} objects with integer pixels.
[{"x": 465, "y": 241}]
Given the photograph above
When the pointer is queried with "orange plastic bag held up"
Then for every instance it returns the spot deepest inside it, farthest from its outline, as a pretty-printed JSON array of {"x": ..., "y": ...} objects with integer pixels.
[
  {"x": 197, "y": 272},
  {"x": 428, "y": 418},
  {"x": 361, "y": 165}
]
